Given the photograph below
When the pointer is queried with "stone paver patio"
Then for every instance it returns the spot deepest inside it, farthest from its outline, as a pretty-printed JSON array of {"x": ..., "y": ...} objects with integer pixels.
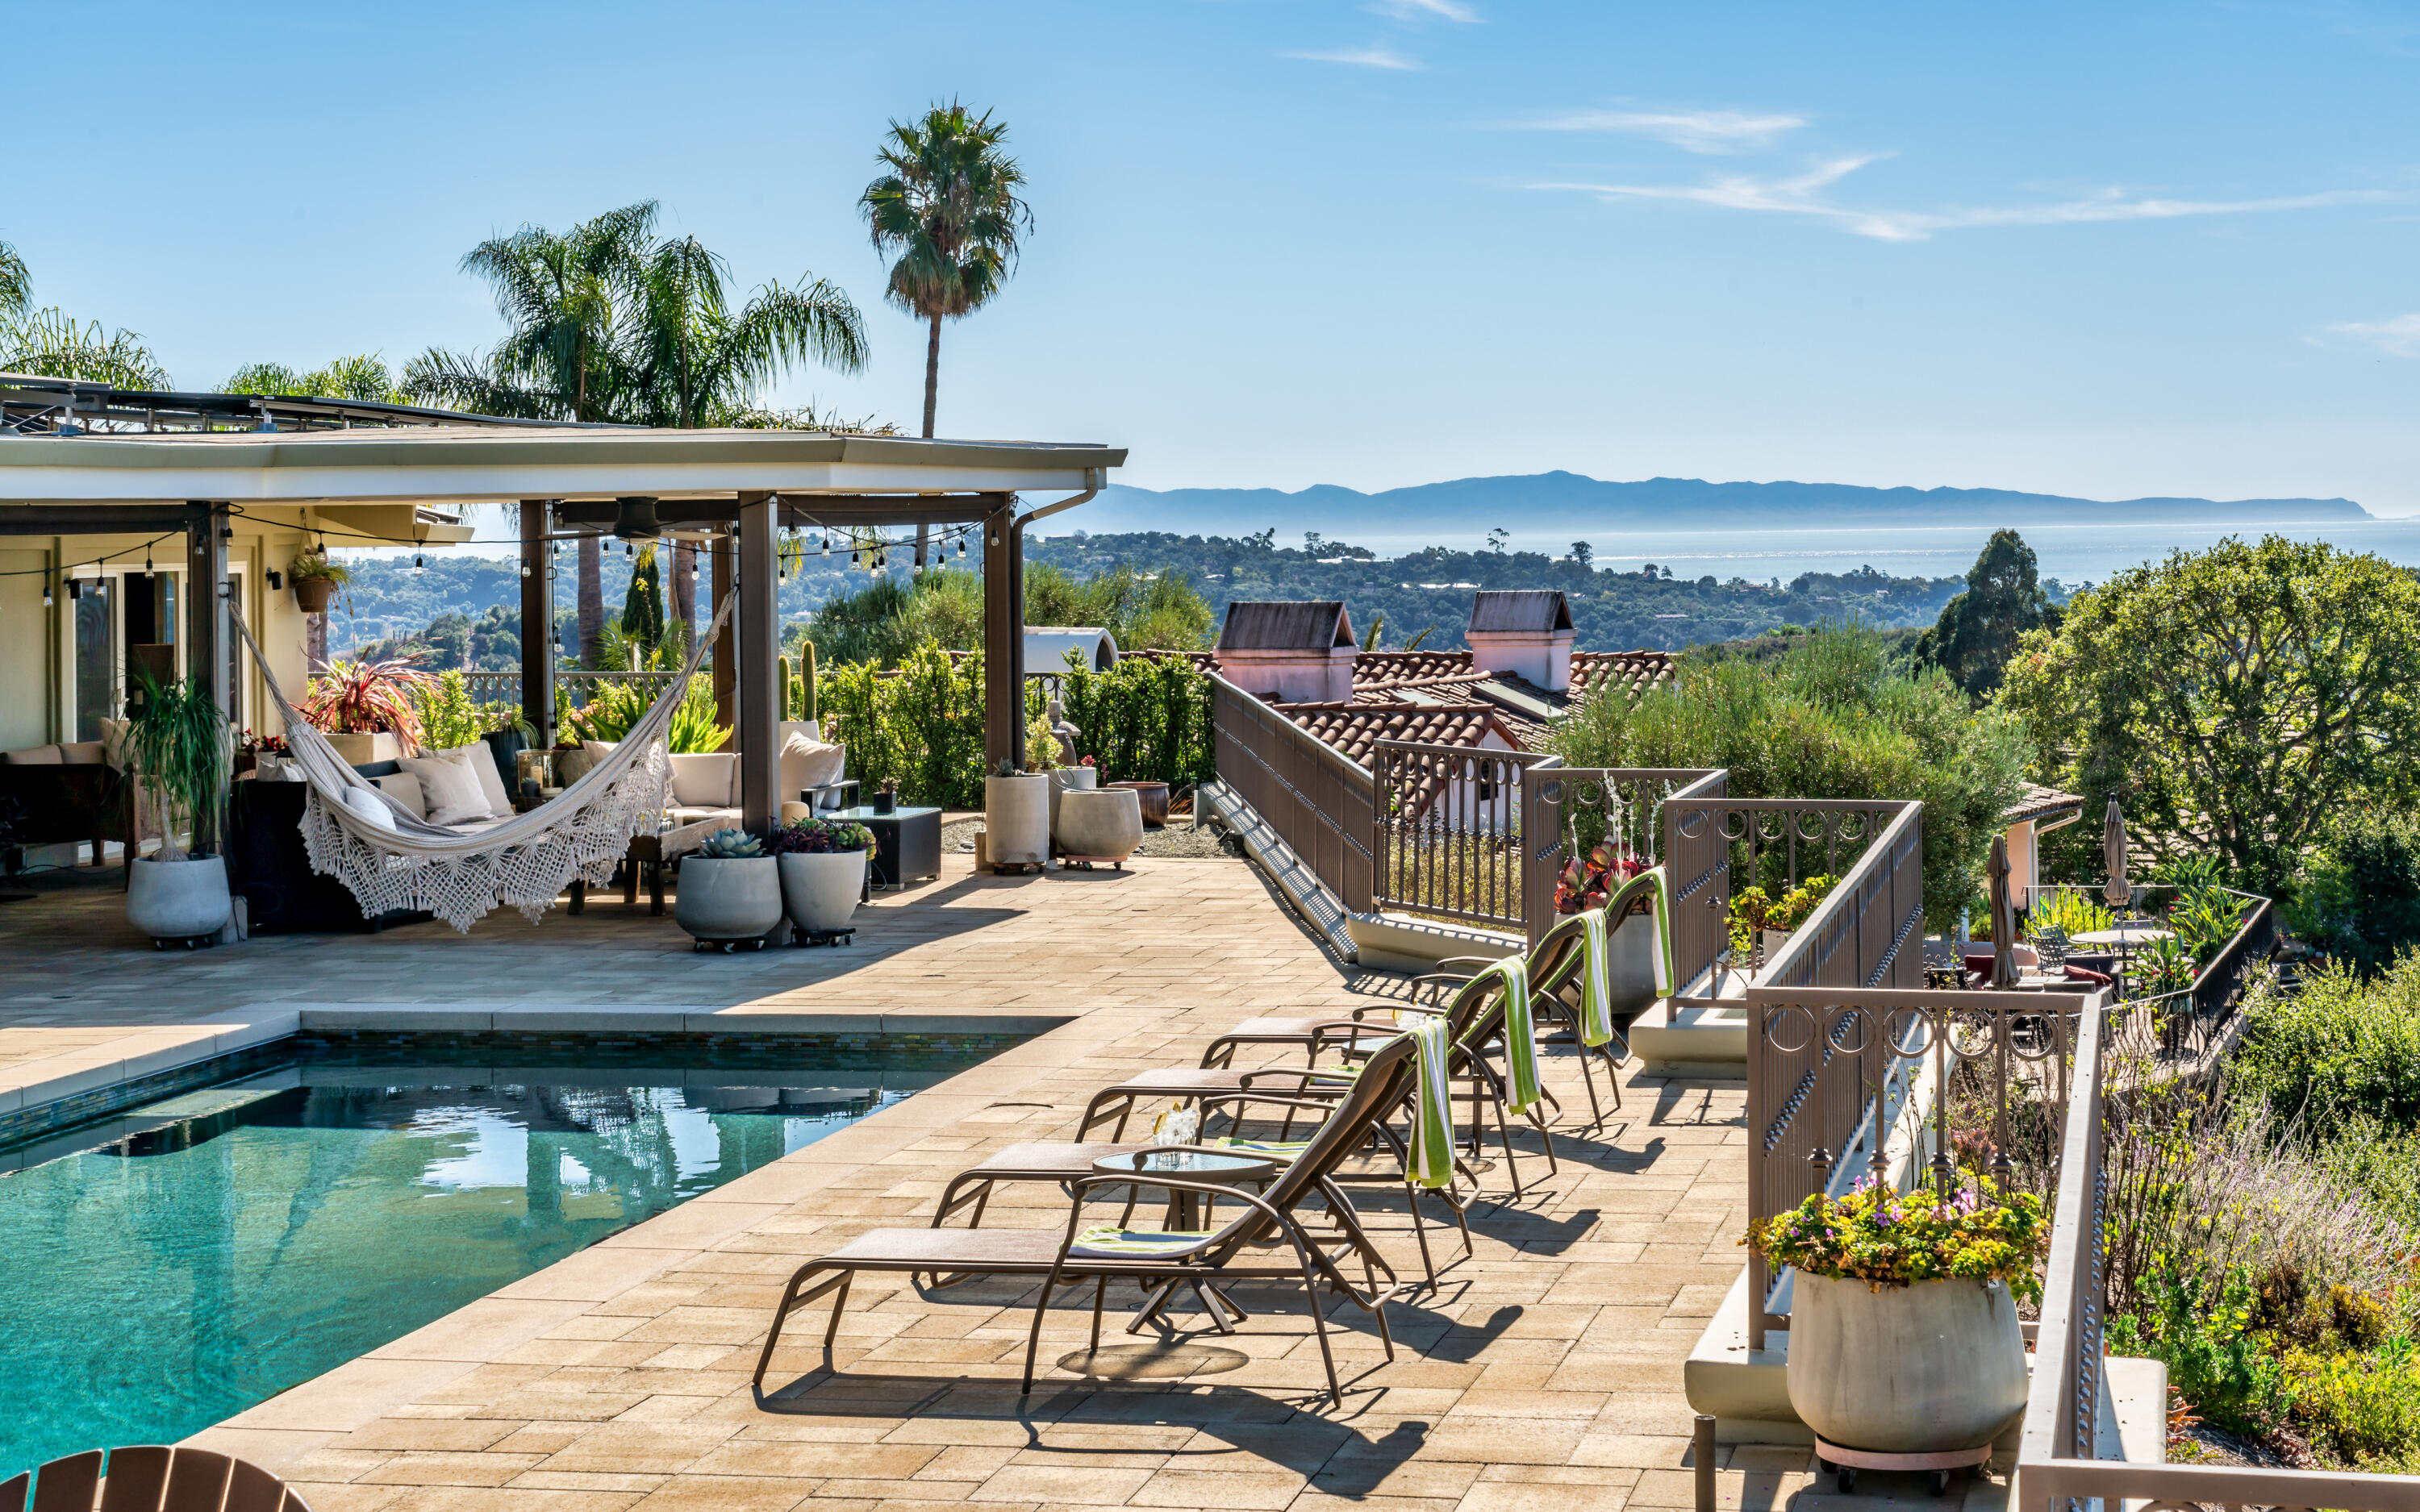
[{"x": 1543, "y": 1371}]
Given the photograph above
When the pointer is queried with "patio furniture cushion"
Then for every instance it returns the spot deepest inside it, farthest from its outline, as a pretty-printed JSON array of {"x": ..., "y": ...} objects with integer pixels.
[
  {"x": 404, "y": 788},
  {"x": 368, "y": 803},
  {"x": 32, "y": 756},
  {"x": 1108, "y": 1241},
  {"x": 449, "y": 790},
  {"x": 481, "y": 758},
  {"x": 84, "y": 753},
  {"x": 704, "y": 780},
  {"x": 807, "y": 762}
]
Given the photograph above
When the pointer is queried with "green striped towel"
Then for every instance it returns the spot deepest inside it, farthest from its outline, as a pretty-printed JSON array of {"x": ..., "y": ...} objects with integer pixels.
[
  {"x": 1520, "y": 1031},
  {"x": 1109, "y": 1241},
  {"x": 1270, "y": 1148},
  {"x": 1596, "y": 975},
  {"x": 1433, "y": 1108}
]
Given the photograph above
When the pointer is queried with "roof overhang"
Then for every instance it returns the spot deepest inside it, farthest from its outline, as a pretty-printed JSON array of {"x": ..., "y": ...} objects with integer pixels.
[{"x": 440, "y": 465}]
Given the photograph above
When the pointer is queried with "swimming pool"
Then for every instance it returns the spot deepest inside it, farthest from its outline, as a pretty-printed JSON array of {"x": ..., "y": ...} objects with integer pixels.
[{"x": 226, "y": 1244}]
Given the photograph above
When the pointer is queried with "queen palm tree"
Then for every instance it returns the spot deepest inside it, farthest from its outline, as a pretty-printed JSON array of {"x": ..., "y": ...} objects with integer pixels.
[
  {"x": 569, "y": 298},
  {"x": 16, "y": 285},
  {"x": 947, "y": 205}
]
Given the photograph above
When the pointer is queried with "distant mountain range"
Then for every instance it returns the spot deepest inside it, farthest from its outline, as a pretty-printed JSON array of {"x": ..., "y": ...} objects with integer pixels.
[{"x": 1567, "y": 500}]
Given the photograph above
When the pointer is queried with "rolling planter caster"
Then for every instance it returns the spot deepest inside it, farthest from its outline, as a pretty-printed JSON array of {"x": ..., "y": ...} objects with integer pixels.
[
  {"x": 1116, "y": 863},
  {"x": 1937, "y": 1464}
]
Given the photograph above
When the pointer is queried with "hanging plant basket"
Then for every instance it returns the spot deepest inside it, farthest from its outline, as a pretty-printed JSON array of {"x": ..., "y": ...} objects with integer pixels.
[{"x": 312, "y": 593}]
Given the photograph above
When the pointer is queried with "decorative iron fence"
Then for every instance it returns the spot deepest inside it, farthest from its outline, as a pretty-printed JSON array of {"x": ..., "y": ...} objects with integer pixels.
[
  {"x": 1319, "y": 801},
  {"x": 1447, "y": 831},
  {"x": 1717, "y": 846},
  {"x": 1566, "y": 811}
]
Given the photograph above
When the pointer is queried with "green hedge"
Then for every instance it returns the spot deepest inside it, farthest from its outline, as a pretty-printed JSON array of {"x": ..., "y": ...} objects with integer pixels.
[{"x": 1144, "y": 718}]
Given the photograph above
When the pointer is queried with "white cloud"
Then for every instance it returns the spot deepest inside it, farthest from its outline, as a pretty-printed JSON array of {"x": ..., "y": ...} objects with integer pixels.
[
  {"x": 1801, "y": 195},
  {"x": 1362, "y": 57},
  {"x": 1423, "y": 9},
  {"x": 1697, "y": 131},
  {"x": 2399, "y": 336}
]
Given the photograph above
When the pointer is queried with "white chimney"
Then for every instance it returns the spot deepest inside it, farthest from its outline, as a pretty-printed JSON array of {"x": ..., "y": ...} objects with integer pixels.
[
  {"x": 1527, "y": 633},
  {"x": 1289, "y": 652}
]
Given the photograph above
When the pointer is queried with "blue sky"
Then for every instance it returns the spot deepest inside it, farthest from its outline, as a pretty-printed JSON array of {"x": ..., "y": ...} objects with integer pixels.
[{"x": 2108, "y": 249}]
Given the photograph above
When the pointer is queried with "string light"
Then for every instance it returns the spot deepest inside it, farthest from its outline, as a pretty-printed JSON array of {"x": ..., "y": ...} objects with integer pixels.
[{"x": 827, "y": 543}]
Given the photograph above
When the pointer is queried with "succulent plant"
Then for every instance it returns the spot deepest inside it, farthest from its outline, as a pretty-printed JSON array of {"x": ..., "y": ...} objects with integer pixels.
[
  {"x": 731, "y": 845},
  {"x": 821, "y": 837}
]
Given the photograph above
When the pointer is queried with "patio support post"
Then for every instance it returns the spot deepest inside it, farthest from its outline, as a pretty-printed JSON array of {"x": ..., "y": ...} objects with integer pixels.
[
  {"x": 760, "y": 666},
  {"x": 538, "y": 618},
  {"x": 727, "y": 665},
  {"x": 1004, "y": 567},
  {"x": 205, "y": 630}
]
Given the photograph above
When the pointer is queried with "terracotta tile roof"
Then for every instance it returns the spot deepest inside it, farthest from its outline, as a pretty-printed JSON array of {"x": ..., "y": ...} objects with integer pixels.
[
  {"x": 1355, "y": 729},
  {"x": 1639, "y": 669},
  {"x": 2039, "y": 802},
  {"x": 1385, "y": 669},
  {"x": 1285, "y": 627},
  {"x": 1204, "y": 661}
]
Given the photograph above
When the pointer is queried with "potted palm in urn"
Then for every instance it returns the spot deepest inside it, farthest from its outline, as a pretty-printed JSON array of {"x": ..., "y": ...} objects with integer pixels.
[
  {"x": 1903, "y": 1332},
  {"x": 181, "y": 751},
  {"x": 730, "y": 891},
  {"x": 822, "y": 864}
]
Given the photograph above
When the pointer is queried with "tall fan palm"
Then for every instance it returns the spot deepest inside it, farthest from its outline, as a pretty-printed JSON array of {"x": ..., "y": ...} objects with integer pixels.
[
  {"x": 568, "y": 298},
  {"x": 16, "y": 284},
  {"x": 948, "y": 208}
]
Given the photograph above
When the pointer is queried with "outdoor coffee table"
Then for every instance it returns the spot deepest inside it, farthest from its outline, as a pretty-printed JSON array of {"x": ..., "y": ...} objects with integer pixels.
[
  {"x": 907, "y": 842},
  {"x": 1185, "y": 1212}
]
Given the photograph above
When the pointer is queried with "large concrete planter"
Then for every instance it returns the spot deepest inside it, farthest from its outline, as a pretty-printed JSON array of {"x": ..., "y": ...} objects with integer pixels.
[
  {"x": 1063, "y": 781},
  {"x": 362, "y": 749},
  {"x": 1938, "y": 1365},
  {"x": 729, "y": 899},
  {"x": 1101, "y": 826},
  {"x": 1017, "y": 820},
  {"x": 178, "y": 899},
  {"x": 1630, "y": 962},
  {"x": 819, "y": 892}
]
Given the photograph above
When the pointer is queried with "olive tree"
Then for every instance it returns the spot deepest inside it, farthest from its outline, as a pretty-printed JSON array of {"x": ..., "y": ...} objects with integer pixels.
[{"x": 2235, "y": 699}]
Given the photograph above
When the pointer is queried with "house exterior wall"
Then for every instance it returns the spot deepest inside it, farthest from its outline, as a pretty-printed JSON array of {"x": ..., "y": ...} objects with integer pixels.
[{"x": 1292, "y": 676}]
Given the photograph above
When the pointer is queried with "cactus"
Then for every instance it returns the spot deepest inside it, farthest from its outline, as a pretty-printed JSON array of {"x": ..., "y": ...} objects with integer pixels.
[{"x": 807, "y": 682}]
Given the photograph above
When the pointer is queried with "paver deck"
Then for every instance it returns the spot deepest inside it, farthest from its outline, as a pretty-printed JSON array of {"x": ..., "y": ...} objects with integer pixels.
[{"x": 1543, "y": 1371}]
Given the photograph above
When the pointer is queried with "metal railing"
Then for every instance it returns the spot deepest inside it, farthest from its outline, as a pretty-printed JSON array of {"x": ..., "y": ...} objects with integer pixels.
[
  {"x": 578, "y": 686},
  {"x": 1446, "y": 832},
  {"x": 1319, "y": 801},
  {"x": 1565, "y": 811},
  {"x": 1718, "y": 845}
]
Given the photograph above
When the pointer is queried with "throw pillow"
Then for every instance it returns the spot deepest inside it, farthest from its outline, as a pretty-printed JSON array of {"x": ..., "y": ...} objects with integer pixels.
[
  {"x": 370, "y": 807},
  {"x": 83, "y": 753},
  {"x": 404, "y": 788},
  {"x": 481, "y": 757},
  {"x": 112, "y": 741},
  {"x": 703, "y": 780},
  {"x": 808, "y": 763},
  {"x": 449, "y": 788}
]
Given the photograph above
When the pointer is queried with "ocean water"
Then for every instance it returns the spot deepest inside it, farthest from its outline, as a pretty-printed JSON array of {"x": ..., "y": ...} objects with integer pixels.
[
  {"x": 2071, "y": 553},
  {"x": 247, "y": 1237}
]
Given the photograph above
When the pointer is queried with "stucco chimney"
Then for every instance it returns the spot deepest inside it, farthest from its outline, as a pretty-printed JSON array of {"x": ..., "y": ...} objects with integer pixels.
[
  {"x": 1527, "y": 633},
  {"x": 1289, "y": 652}
]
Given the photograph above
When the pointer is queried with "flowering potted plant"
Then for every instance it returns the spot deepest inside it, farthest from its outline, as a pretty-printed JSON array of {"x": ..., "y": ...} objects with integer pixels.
[
  {"x": 1903, "y": 1330},
  {"x": 822, "y": 864},
  {"x": 730, "y": 891}
]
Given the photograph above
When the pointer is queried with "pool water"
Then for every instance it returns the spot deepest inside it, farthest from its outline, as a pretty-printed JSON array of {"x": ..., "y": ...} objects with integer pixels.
[{"x": 230, "y": 1243}]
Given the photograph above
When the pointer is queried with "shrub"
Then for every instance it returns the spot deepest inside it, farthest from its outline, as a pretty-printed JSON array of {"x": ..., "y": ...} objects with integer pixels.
[
  {"x": 1146, "y": 718},
  {"x": 2069, "y": 912},
  {"x": 618, "y": 706},
  {"x": 2358, "y": 895},
  {"x": 922, "y": 727},
  {"x": 2339, "y": 1049}
]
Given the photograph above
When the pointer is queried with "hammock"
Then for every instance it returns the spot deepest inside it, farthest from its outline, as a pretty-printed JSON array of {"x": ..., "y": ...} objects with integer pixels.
[{"x": 461, "y": 876}]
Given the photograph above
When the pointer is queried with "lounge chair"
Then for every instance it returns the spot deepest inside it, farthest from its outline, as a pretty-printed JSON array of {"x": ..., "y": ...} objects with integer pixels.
[
  {"x": 1203, "y": 1258},
  {"x": 150, "y": 1477}
]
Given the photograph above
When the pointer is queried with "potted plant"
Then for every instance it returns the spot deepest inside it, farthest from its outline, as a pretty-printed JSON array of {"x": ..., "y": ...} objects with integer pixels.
[
  {"x": 180, "y": 752},
  {"x": 822, "y": 864},
  {"x": 316, "y": 578},
  {"x": 730, "y": 890},
  {"x": 1017, "y": 817},
  {"x": 1759, "y": 919},
  {"x": 886, "y": 797},
  {"x": 1083, "y": 777},
  {"x": 369, "y": 710},
  {"x": 1903, "y": 1330},
  {"x": 1589, "y": 882}
]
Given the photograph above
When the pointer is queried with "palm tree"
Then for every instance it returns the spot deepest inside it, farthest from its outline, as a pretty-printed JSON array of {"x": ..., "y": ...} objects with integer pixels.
[
  {"x": 51, "y": 344},
  {"x": 948, "y": 207},
  {"x": 16, "y": 284},
  {"x": 568, "y": 298}
]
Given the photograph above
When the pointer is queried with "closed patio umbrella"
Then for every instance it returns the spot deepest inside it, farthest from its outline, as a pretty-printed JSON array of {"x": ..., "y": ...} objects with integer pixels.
[
  {"x": 2004, "y": 916},
  {"x": 2112, "y": 850}
]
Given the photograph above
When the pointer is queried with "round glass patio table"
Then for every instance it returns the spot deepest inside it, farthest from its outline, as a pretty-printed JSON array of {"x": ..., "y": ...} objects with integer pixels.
[
  {"x": 2124, "y": 936},
  {"x": 1185, "y": 1212}
]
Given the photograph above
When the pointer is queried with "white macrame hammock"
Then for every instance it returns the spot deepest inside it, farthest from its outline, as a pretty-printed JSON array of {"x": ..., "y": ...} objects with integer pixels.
[{"x": 524, "y": 862}]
